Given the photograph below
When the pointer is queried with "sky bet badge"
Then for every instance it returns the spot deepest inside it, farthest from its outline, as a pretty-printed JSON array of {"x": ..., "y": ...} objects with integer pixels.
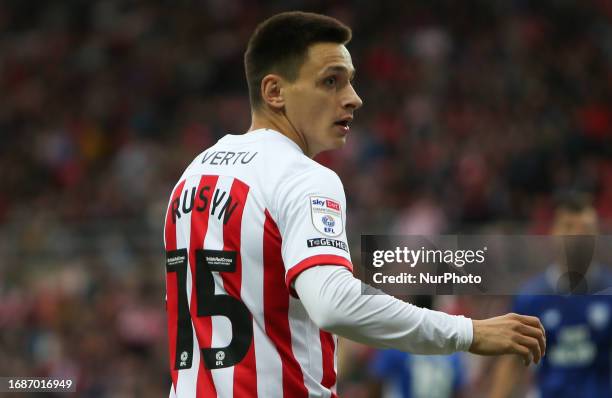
[{"x": 326, "y": 215}]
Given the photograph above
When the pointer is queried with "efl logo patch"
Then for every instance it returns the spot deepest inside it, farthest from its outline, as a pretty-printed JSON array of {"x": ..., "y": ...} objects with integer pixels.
[{"x": 326, "y": 215}]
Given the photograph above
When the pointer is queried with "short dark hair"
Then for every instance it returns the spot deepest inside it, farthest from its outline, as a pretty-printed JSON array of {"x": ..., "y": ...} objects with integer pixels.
[
  {"x": 280, "y": 43},
  {"x": 573, "y": 201}
]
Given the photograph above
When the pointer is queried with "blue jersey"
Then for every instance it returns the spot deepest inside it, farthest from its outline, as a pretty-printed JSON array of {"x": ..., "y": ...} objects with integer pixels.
[
  {"x": 416, "y": 376},
  {"x": 578, "y": 338}
]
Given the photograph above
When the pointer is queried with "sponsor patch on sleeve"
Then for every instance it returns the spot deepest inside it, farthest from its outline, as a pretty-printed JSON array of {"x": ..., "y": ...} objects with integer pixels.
[
  {"x": 326, "y": 215},
  {"x": 317, "y": 242}
]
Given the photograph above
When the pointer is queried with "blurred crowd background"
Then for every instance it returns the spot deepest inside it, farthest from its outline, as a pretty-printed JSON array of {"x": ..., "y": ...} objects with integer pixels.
[{"x": 475, "y": 114}]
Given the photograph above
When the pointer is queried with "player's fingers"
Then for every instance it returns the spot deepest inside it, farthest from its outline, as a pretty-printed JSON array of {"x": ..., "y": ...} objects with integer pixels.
[
  {"x": 534, "y": 322},
  {"x": 537, "y": 334},
  {"x": 522, "y": 352},
  {"x": 530, "y": 320},
  {"x": 531, "y": 344}
]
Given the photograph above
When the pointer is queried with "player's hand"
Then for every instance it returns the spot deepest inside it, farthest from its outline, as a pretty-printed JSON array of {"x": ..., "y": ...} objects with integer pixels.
[{"x": 510, "y": 334}]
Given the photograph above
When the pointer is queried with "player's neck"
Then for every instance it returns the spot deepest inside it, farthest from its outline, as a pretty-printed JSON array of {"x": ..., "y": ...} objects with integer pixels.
[{"x": 278, "y": 122}]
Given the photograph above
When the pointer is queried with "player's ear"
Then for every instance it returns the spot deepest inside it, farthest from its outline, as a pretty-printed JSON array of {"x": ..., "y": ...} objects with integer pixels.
[{"x": 271, "y": 91}]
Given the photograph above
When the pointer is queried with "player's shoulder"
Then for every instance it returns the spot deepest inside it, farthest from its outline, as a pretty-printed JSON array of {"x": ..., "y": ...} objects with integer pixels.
[
  {"x": 309, "y": 179},
  {"x": 535, "y": 291},
  {"x": 601, "y": 281},
  {"x": 310, "y": 170}
]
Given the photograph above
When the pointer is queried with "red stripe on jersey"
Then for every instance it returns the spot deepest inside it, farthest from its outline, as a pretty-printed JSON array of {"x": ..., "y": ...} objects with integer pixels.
[
  {"x": 321, "y": 259},
  {"x": 202, "y": 325},
  {"x": 172, "y": 292},
  {"x": 245, "y": 372},
  {"x": 276, "y": 311},
  {"x": 327, "y": 352}
]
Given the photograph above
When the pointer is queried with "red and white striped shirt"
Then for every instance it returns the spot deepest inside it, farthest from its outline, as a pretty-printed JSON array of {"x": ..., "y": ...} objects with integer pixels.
[{"x": 246, "y": 217}]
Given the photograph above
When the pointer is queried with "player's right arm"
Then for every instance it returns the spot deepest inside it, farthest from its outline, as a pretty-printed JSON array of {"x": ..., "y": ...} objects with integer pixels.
[{"x": 333, "y": 299}]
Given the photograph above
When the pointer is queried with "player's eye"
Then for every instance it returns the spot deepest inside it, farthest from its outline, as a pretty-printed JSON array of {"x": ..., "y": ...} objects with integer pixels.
[{"x": 330, "y": 81}]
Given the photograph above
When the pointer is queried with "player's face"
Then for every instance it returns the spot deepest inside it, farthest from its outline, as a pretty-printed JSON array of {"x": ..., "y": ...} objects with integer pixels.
[
  {"x": 575, "y": 252},
  {"x": 321, "y": 102},
  {"x": 575, "y": 223}
]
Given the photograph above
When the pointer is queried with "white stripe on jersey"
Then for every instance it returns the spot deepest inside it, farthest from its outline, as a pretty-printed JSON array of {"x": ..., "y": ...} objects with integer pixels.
[
  {"x": 221, "y": 326},
  {"x": 187, "y": 381}
]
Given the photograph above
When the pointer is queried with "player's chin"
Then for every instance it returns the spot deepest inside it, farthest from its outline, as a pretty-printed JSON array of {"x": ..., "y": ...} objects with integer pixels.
[
  {"x": 337, "y": 142},
  {"x": 332, "y": 144}
]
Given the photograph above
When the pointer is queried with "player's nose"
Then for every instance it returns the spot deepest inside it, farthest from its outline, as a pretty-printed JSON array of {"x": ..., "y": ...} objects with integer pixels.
[{"x": 352, "y": 100}]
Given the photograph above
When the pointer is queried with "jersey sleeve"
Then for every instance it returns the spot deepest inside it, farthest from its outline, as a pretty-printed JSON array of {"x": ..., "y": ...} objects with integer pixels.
[{"x": 311, "y": 211}]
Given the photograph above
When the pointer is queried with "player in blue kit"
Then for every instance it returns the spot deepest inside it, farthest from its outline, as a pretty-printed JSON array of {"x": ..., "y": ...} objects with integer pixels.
[
  {"x": 418, "y": 376},
  {"x": 578, "y": 327}
]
